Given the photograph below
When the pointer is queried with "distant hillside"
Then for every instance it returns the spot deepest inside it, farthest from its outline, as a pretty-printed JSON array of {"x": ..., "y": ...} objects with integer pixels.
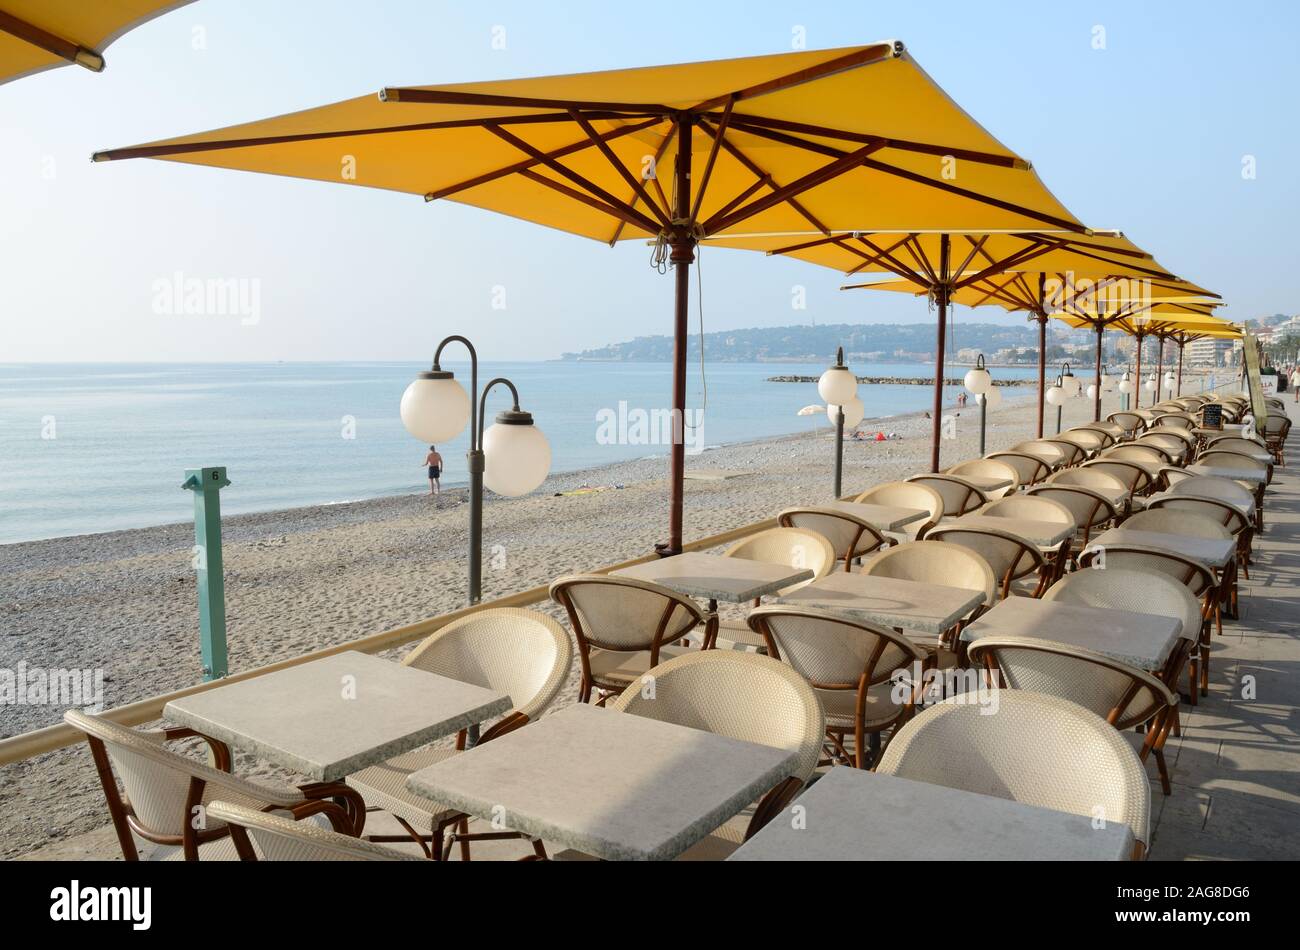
[{"x": 883, "y": 342}]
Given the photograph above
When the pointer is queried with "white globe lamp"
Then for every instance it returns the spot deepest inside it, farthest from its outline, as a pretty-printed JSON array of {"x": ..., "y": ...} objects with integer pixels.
[
  {"x": 435, "y": 408},
  {"x": 516, "y": 455}
]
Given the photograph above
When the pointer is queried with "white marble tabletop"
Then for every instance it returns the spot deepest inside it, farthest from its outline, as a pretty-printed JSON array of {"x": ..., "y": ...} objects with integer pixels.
[
  {"x": 331, "y": 717},
  {"x": 736, "y": 580},
  {"x": 1041, "y": 534},
  {"x": 609, "y": 784},
  {"x": 1259, "y": 454},
  {"x": 855, "y": 815},
  {"x": 1212, "y": 552},
  {"x": 985, "y": 483},
  {"x": 1186, "y": 486},
  {"x": 880, "y": 517},
  {"x": 1220, "y": 470},
  {"x": 1141, "y": 640},
  {"x": 889, "y": 601}
]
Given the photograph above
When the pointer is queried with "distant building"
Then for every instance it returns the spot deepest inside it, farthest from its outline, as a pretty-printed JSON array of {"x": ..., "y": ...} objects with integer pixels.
[
  {"x": 1209, "y": 352},
  {"x": 968, "y": 354}
]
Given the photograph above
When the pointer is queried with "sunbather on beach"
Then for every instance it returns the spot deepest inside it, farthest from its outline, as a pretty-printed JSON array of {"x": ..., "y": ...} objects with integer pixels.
[{"x": 434, "y": 461}]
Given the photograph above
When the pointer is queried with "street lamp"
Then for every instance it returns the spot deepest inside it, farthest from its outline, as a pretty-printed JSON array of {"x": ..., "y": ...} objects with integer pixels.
[
  {"x": 1066, "y": 386},
  {"x": 1150, "y": 386},
  {"x": 513, "y": 456},
  {"x": 1126, "y": 386},
  {"x": 839, "y": 387},
  {"x": 989, "y": 400},
  {"x": 978, "y": 383}
]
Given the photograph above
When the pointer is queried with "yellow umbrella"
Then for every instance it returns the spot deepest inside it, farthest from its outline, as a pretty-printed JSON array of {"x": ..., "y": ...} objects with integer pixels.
[
  {"x": 36, "y": 35},
  {"x": 821, "y": 143}
]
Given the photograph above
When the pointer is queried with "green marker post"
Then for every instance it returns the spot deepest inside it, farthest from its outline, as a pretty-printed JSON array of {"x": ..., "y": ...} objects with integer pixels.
[{"x": 206, "y": 483}]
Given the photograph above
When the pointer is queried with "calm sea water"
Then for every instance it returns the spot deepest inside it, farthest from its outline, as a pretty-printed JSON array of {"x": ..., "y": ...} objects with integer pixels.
[{"x": 89, "y": 448}]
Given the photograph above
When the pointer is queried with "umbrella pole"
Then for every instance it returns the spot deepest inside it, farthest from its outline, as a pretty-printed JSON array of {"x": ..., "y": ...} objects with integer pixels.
[
  {"x": 1096, "y": 405},
  {"x": 1042, "y": 368},
  {"x": 1179, "y": 391},
  {"x": 683, "y": 254},
  {"x": 941, "y": 342},
  {"x": 1137, "y": 376}
]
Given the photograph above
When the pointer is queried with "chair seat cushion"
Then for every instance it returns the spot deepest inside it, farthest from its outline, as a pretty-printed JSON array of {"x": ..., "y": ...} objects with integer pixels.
[
  {"x": 614, "y": 669},
  {"x": 840, "y": 706},
  {"x": 384, "y": 786}
]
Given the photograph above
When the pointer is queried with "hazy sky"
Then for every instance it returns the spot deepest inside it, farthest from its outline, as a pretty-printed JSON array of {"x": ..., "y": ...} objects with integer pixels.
[{"x": 1147, "y": 135}]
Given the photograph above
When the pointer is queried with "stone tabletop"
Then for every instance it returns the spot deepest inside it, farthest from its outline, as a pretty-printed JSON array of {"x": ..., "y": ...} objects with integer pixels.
[
  {"x": 911, "y": 605},
  {"x": 1226, "y": 471},
  {"x": 881, "y": 517},
  {"x": 736, "y": 580},
  {"x": 1186, "y": 493},
  {"x": 1043, "y": 534},
  {"x": 985, "y": 483},
  {"x": 856, "y": 815},
  {"x": 609, "y": 784},
  {"x": 1141, "y": 640},
  {"x": 1212, "y": 552},
  {"x": 331, "y": 717}
]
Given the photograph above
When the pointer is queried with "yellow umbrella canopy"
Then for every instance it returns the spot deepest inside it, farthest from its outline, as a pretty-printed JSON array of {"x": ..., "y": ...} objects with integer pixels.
[
  {"x": 824, "y": 143},
  {"x": 1173, "y": 321},
  {"x": 36, "y": 35}
]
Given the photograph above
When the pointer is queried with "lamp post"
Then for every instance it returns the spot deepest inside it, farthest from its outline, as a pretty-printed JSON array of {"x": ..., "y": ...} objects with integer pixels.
[
  {"x": 1125, "y": 387},
  {"x": 1067, "y": 385},
  {"x": 978, "y": 383},
  {"x": 839, "y": 387},
  {"x": 512, "y": 457}
]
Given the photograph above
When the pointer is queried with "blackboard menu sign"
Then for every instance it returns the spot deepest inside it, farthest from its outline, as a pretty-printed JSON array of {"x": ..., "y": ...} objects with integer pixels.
[{"x": 1212, "y": 416}]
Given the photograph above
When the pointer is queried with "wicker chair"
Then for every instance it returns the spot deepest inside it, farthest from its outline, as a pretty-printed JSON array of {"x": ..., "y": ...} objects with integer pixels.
[
  {"x": 1011, "y": 558},
  {"x": 1124, "y": 696},
  {"x": 166, "y": 790},
  {"x": 793, "y": 547},
  {"x": 936, "y": 562},
  {"x": 959, "y": 497},
  {"x": 279, "y": 839},
  {"x": 1175, "y": 448},
  {"x": 1111, "y": 430},
  {"x": 992, "y": 469},
  {"x": 1038, "y": 509},
  {"x": 1131, "y": 422},
  {"x": 1142, "y": 592},
  {"x": 744, "y": 696},
  {"x": 1135, "y": 478},
  {"x": 1090, "y": 508},
  {"x": 1176, "y": 420},
  {"x": 1276, "y": 430},
  {"x": 623, "y": 627},
  {"x": 1143, "y": 453},
  {"x": 850, "y": 536},
  {"x": 851, "y": 665},
  {"x": 1040, "y": 750},
  {"x": 522, "y": 653},
  {"x": 1230, "y": 493},
  {"x": 1029, "y": 468},
  {"x": 1088, "y": 441},
  {"x": 908, "y": 495},
  {"x": 1051, "y": 454}
]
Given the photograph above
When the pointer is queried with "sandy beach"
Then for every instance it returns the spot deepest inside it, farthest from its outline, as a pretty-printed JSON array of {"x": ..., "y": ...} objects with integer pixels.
[{"x": 304, "y": 578}]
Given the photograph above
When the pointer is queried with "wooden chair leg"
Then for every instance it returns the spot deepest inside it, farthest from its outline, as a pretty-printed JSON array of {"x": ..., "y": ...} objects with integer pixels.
[{"x": 1163, "y": 770}]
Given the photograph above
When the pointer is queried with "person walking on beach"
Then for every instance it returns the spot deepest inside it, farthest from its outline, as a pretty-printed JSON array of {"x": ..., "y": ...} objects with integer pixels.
[
  {"x": 434, "y": 461},
  {"x": 1295, "y": 382}
]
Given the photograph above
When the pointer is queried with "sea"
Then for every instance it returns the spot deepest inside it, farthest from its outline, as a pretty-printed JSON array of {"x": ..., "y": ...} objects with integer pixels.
[{"x": 88, "y": 448}]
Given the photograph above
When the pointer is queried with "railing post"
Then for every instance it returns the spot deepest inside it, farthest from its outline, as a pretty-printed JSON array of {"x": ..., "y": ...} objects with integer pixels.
[{"x": 206, "y": 483}]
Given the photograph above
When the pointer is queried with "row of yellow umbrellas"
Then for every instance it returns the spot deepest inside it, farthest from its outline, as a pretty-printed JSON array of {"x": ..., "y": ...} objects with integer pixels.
[{"x": 849, "y": 158}]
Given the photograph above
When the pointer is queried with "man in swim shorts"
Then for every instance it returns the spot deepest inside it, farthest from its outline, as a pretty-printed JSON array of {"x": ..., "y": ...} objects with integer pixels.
[{"x": 434, "y": 461}]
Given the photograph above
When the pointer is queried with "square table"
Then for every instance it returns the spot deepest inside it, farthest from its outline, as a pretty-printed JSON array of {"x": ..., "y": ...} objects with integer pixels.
[
  {"x": 736, "y": 580},
  {"x": 985, "y": 483},
  {"x": 855, "y": 815},
  {"x": 1247, "y": 511},
  {"x": 888, "y": 601},
  {"x": 1141, "y": 640},
  {"x": 1215, "y": 553},
  {"x": 1259, "y": 454},
  {"x": 1041, "y": 534},
  {"x": 331, "y": 717},
  {"x": 880, "y": 517},
  {"x": 1219, "y": 470},
  {"x": 610, "y": 784}
]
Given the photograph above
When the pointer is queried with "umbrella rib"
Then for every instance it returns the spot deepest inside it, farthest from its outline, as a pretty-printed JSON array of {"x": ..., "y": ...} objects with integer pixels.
[
  {"x": 53, "y": 44},
  {"x": 1035, "y": 249},
  {"x": 584, "y": 198},
  {"x": 753, "y": 123},
  {"x": 922, "y": 263},
  {"x": 530, "y": 162},
  {"x": 865, "y": 56},
  {"x": 869, "y": 259},
  {"x": 624, "y": 210},
  {"x": 975, "y": 249},
  {"x": 717, "y": 135},
  {"x": 764, "y": 178},
  {"x": 446, "y": 97},
  {"x": 182, "y": 148},
  {"x": 797, "y": 187},
  {"x": 659, "y": 153},
  {"x": 638, "y": 190},
  {"x": 893, "y": 263},
  {"x": 916, "y": 177}
]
